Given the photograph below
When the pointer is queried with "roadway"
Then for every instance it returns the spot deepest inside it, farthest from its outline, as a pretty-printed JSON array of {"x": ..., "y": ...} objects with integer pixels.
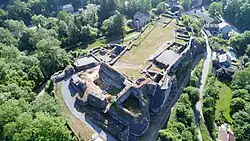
[
  {"x": 69, "y": 94},
  {"x": 205, "y": 73}
]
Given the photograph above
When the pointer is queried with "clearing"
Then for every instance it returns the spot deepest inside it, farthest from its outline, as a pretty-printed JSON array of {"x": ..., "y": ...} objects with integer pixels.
[
  {"x": 223, "y": 104},
  {"x": 138, "y": 55}
]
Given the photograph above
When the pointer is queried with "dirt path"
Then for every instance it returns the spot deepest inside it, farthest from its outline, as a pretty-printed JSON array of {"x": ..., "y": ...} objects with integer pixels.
[{"x": 205, "y": 73}]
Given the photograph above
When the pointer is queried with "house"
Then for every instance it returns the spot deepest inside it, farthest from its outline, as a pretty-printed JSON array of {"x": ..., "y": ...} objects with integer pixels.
[
  {"x": 225, "y": 29},
  {"x": 212, "y": 28},
  {"x": 200, "y": 14},
  {"x": 68, "y": 8},
  {"x": 140, "y": 20},
  {"x": 224, "y": 60},
  {"x": 225, "y": 134}
]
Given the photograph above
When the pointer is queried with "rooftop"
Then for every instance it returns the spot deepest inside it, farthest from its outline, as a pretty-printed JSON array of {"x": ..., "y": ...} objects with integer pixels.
[
  {"x": 139, "y": 15},
  {"x": 69, "y": 5},
  {"x": 223, "y": 24},
  {"x": 167, "y": 57},
  {"x": 202, "y": 15},
  {"x": 223, "y": 58},
  {"x": 85, "y": 61}
]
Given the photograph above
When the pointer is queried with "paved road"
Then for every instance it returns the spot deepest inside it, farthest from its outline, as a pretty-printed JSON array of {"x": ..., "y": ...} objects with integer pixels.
[
  {"x": 68, "y": 93},
  {"x": 205, "y": 73}
]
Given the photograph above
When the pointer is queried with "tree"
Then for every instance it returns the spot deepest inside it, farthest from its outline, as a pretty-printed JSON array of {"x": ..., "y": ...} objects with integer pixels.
[
  {"x": 215, "y": 9},
  {"x": 7, "y": 38},
  {"x": 193, "y": 94},
  {"x": 241, "y": 93},
  {"x": 16, "y": 27},
  {"x": 161, "y": 7},
  {"x": 73, "y": 33},
  {"x": 51, "y": 128},
  {"x": 113, "y": 25},
  {"x": 39, "y": 20},
  {"x": 46, "y": 104},
  {"x": 107, "y": 7},
  {"x": 237, "y": 11},
  {"x": 40, "y": 7},
  {"x": 19, "y": 11},
  {"x": 20, "y": 129},
  {"x": 186, "y": 4},
  {"x": 51, "y": 56},
  {"x": 90, "y": 15},
  {"x": 237, "y": 104},
  {"x": 3, "y": 16},
  {"x": 241, "y": 79},
  {"x": 241, "y": 125}
]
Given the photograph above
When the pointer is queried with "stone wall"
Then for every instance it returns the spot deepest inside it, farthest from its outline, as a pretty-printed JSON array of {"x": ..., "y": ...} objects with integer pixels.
[{"x": 111, "y": 76}]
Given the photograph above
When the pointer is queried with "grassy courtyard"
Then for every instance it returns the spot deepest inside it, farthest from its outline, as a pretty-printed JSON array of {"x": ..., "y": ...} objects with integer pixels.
[
  {"x": 138, "y": 55},
  {"x": 223, "y": 104}
]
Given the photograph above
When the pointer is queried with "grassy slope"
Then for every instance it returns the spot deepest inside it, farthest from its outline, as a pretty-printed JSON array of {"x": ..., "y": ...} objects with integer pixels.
[
  {"x": 204, "y": 132},
  {"x": 223, "y": 104},
  {"x": 78, "y": 127},
  {"x": 103, "y": 41}
]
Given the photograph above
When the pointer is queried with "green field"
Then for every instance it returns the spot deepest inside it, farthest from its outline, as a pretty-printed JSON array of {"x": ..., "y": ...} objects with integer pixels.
[{"x": 223, "y": 104}]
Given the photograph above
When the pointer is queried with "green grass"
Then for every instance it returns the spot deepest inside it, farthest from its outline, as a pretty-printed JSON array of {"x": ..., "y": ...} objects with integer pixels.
[
  {"x": 223, "y": 104},
  {"x": 113, "y": 91},
  {"x": 204, "y": 132}
]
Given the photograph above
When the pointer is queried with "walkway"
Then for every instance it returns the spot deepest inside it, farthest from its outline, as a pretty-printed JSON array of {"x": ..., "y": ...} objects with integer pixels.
[{"x": 205, "y": 73}]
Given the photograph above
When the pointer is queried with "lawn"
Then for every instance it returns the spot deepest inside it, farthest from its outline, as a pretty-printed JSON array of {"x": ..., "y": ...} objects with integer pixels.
[
  {"x": 223, "y": 104},
  {"x": 77, "y": 126},
  {"x": 139, "y": 54}
]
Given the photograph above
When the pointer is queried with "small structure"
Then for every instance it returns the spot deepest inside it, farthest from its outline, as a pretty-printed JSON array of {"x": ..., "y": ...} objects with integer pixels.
[
  {"x": 224, "y": 60},
  {"x": 232, "y": 55},
  {"x": 225, "y": 134},
  {"x": 166, "y": 58},
  {"x": 225, "y": 73},
  {"x": 68, "y": 8},
  {"x": 85, "y": 63},
  {"x": 79, "y": 84},
  {"x": 140, "y": 20},
  {"x": 224, "y": 28},
  {"x": 212, "y": 28}
]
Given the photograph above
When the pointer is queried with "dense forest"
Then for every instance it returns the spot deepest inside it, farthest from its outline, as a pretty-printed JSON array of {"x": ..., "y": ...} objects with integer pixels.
[
  {"x": 29, "y": 55},
  {"x": 237, "y": 12}
]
